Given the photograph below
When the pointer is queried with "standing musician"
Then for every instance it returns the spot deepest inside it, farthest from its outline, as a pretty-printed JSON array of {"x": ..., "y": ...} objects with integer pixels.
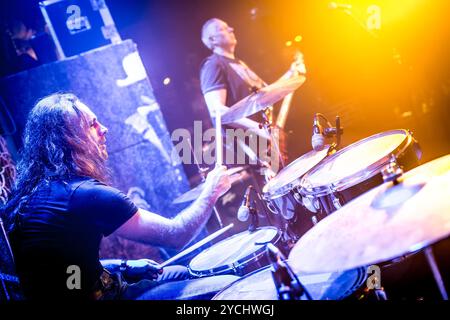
[
  {"x": 224, "y": 79},
  {"x": 62, "y": 207}
]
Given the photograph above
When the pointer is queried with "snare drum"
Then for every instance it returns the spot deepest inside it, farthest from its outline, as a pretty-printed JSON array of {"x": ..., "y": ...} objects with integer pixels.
[
  {"x": 259, "y": 285},
  {"x": 240, "y": 254},
  {"x": 356, "y": 169},
  {"x": 282, "y": 195}
]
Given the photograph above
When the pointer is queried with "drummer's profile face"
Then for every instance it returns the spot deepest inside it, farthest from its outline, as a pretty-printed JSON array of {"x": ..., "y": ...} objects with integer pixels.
[{"x": 221, "y": 34}]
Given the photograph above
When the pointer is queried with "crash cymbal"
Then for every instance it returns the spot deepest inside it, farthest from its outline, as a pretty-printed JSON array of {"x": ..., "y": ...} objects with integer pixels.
[
  {"x": 262, "y": 99},
  {"x": 387, "y": 222},
  {"x": 235, "y": 175}
]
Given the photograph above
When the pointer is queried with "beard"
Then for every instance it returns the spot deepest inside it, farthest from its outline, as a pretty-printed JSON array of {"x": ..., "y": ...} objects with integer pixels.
[{"x": 103, "y": 151}]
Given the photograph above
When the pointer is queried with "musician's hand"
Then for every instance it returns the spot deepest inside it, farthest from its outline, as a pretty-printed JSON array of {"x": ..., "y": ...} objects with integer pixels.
[
  {"x": 298, "y": 68},
  {"x": 218, "y": 182},
  {"x": 142, "y": 269}
]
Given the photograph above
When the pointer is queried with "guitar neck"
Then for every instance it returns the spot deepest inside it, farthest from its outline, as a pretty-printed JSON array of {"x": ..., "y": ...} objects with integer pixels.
[
  {"x": 284, "y": 110},
  {"x": 285, "y": 105}
]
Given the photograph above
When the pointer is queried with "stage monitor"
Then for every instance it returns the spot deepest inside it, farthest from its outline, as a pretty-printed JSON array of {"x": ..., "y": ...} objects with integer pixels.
[{"x": 78, "y": 26}]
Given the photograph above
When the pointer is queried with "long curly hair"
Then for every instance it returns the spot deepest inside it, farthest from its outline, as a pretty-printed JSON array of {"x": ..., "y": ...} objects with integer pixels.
[{"x": 56, "y": 143}]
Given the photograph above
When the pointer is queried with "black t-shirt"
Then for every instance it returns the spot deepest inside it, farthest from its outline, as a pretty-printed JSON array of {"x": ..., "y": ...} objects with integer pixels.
[
  {"x": 233, "y": 75},
  {"x": 62, "y": 224},
  {"x": 219, "y": 72}
]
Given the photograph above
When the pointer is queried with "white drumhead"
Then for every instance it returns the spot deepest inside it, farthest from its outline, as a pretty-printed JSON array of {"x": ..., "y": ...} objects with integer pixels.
[
  {"x": 259, "y": 285},
  {"x": 233, "y": 249},
  {"x": 296, "y": 169},
  {"x": 353, "y": 159}
]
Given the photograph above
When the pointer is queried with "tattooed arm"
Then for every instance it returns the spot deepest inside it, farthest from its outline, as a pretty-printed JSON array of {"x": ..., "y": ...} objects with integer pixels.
[{"x": 151, "y": 228}]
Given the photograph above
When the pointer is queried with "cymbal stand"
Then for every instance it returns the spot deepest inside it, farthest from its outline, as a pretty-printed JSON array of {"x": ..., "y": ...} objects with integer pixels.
[
  {"x": 436, "y": 273},
  {"x": 286, "y": 281},
  {"x": 392, "y": 172},
  {"x": 202, "y": 173},
  {"x": 267, "y": 125}
]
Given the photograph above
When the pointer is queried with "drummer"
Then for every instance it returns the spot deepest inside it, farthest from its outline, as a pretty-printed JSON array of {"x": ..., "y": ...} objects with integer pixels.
[
  {"x": 62, "y": 206},
  {"x": 225, "y": 79}
]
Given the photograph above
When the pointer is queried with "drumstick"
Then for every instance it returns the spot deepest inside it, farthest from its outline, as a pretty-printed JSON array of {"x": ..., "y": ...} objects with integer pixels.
[
  {"x": 219, "y": 157},
  {"x": 197, "y": 245}
]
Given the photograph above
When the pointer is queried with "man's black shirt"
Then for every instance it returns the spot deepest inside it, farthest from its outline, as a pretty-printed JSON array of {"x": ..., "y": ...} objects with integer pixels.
[
  {"x": 219, "y": 72},
  {"x": 60, "y": 225}
]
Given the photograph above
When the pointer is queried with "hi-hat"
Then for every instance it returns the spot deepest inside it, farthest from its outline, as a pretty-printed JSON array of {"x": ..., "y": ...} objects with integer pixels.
[
  {"x": 385, "y": 223},
  {"x": 235, "y": 175},
  {"x": 262, "y": 99}
]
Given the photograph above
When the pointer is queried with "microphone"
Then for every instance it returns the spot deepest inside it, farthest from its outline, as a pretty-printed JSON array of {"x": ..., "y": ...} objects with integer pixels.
[
  {"x": 334, "y": 6},
  {"x": 317, "y": 139},
  {"x": 244, "y": 210}
]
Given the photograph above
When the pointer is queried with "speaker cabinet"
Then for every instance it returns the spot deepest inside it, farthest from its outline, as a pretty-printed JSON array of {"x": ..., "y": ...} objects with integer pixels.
[{"x": 112, "y": 81}]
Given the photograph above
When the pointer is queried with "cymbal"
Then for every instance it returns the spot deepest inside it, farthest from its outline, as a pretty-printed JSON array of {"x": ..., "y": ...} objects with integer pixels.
[
  {"x": 263, "y": 98},
  {"x": 383, "y": 224},
  {"x": 234, "y": 174}
]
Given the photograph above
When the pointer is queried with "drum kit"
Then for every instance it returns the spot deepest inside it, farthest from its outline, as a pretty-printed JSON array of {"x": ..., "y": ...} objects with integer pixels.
[{"x": 345, "y": 211}]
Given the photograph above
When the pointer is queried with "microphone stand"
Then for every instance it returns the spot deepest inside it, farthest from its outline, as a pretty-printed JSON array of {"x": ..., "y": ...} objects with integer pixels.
[
  {"x": 286, "y": 281},
  {"x": 254, "y": 224},
  {"x": 337, "y": 131},
  {"x": 202, "y": 172},
  {"x": 254, "y": 212}
]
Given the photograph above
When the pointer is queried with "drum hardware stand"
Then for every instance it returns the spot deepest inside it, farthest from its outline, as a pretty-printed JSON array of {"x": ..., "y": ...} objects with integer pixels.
[
  {"x": 326, "y": 205},
  {"x": 253, "y": 213},
  {"x": 202, "y": 173},
  {"x": 392, "y": 172},
  {"x": 262, "y": 202},
  {"x": 254, "y": 223},
  {"x": 332, "y": 131},
  {"x": 286, "y": 281},
  {"x": 337, "y": 131},
  {"x": 436, "y": 273},
  {"x": 335, "y": 199},
  {"x": 267, "y": 125}
]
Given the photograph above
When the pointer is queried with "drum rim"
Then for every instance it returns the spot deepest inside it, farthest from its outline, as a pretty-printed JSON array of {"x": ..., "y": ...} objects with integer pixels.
[
  {"x": 294, "y": 183},
  {"x": 357, "y": 177},
  {"x": 360, "y": 277},
  {"x": 234, "y": 265},
  {"x": 238, "y": 280}
]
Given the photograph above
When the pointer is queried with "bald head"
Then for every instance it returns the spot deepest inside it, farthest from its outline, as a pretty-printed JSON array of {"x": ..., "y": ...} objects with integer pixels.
[
  {"x": 217, "y": 34},
  {"x": 207, "y": 32}
]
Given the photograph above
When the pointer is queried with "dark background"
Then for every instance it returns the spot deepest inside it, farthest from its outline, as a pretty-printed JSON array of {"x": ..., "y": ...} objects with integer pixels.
[{"x": 399, "y": 78}]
